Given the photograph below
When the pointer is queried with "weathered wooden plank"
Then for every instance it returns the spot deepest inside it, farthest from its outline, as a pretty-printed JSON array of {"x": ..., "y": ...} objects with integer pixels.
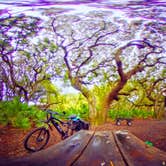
[
  {"x": 62, "y": 154},
  {"x": 101, "y": 151},
  {"x": 136, "y": 152}
]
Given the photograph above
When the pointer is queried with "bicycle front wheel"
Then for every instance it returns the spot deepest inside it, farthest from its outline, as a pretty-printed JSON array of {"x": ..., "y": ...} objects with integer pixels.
[{"x": 37, "y": 139}]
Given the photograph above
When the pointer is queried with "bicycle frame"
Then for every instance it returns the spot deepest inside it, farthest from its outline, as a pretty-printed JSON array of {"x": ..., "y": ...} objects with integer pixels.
[{"x": 54, "y": 120}]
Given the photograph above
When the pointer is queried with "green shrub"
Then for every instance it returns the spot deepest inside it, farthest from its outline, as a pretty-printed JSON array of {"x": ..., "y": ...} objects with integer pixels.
[
  {"x": 130, "y": 114},
  {"x": 19, "y": 114},
  {"x": 82, "y": 111}
]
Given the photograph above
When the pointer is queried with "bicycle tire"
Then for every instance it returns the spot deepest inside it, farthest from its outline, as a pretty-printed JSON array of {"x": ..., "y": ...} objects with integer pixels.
[{"x": 42, "y": 131}]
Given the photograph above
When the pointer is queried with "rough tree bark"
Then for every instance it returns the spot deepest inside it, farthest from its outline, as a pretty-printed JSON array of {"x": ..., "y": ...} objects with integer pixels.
[
  {"x": 89, "y": 97},
  {"x": 124, "y": 77}
]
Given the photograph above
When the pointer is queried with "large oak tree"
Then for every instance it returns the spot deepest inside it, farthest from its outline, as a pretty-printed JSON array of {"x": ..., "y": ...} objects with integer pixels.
[{"x": 97, "y": 48}]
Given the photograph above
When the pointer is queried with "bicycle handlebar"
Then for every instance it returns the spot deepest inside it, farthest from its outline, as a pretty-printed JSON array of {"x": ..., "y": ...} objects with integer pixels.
[
  {"x": 51, "y": 116},
  {"x": 54, "y": 113}
]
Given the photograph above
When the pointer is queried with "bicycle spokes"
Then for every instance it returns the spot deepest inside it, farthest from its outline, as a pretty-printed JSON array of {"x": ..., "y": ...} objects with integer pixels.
[
  {"x": 37, "y": 139},
  {"x": 41, "y": 136}
]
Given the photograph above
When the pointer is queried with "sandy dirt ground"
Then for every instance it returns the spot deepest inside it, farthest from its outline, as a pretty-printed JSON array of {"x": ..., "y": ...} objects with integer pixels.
[{"x": 11, "y": 139}]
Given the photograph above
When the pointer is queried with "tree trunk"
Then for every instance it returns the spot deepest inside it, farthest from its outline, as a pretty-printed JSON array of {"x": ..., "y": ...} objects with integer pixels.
[
  {"x": 159, "y": 107},
  {"x": 165, "y": 107},
  {"x": 1, "y": 90},
  {"x": 92, "y": 110},
  {"x": 89, "y": 97},
  {"x": 112, "y": 95}
]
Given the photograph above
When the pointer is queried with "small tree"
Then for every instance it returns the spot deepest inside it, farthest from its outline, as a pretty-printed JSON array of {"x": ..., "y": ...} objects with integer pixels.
[
  {"x": 24, "y": 63},
  {"x": 15, "y": 32}
]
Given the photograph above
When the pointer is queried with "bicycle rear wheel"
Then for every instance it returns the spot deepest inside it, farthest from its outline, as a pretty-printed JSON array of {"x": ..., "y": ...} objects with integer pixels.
[{"x": 37, "y": 139}]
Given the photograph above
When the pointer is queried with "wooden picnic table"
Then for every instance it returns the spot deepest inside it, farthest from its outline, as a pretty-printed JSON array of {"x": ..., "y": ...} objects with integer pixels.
[{"x": 90, "y": 148}]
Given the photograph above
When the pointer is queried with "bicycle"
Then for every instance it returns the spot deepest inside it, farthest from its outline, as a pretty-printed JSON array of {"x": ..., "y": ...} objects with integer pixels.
[{"x": 37, "y": 139}]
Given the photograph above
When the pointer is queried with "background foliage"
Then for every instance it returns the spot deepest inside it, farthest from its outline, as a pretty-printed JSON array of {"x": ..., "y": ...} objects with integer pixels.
[
  {"x": 116, "y": 70},
  {"x": 19, "y": 114}
]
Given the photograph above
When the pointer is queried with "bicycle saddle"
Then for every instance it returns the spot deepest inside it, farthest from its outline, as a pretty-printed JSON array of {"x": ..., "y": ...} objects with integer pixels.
[{"x": 72, "y": 116}]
